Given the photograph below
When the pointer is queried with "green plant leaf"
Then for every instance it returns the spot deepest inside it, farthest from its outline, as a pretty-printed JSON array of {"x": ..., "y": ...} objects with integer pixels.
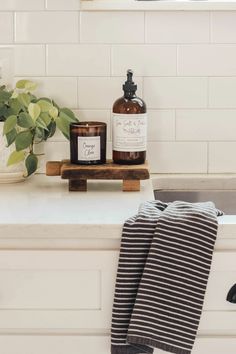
[
  {"x": 53, "y": 112},
  {"x": 40, "y": 134},
  {"x": 63, "y": 125},
  {"x": 31, "y": 86},
  {"x": 41, "y": 124},
  {"x": 31, "y": 164},
  {"x": 68, "y": 114},
  {"x": 15, "y": 157},
  {"x": 11, "y": 136},
  {"x": 33, "y": 98},
  {"x": 9, "y": 124},
  {"x": 26, "y": 84},
  {"x": 21, "y": 84},
  {"x": 14, "y": 94},
  {"x": 25, "y": 121},
  {"x": 15, "y": 105},
  {"x": 46, "y": 118},
  {"x": 44, "y": 105},
  {"x": 55, "y": 105},
  {"x": 24, "y": 99},
  {"x": 4, "y": 95},
  {"x": 34, "y": 110},
  {"x": 23, "y": 140},
  {"x": 3, "y": 111},
  {"x": 9, "y": 112},
  {"x": 51, "y": 130},
  {"x": 45, "y": 99}
]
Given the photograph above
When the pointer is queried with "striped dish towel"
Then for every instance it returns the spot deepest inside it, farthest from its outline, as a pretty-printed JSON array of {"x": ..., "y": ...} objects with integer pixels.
[{"x": 164, "y": 264}]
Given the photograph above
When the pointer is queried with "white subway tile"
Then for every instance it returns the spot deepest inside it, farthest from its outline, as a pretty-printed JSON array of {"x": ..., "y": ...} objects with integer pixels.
[
  {"x": 62, "y": 4},
  {"x": 6, "y": 27},
  {"x": 207, "y": 60},
  {"x": 78, "y": 60},
  {"x": 177, "y": 27},
  {"x": 21, "y": 5},
  {"x": 7, "y": 65},
  {"x": 101, "y": 93},
  {"x": 96, "y": 115},
  {"x": 46, "y": 27},
  {"x": 177, "y": 157},
  {"x": 222, "y": 92},
  {"x": 56, "y": 151},
  {"x": 206, "y": 125},
  {"x": 145, "y": 60},
  {"x": 29, "y": 60},
  {"x": 222, "y": 157},
  {"x": 161, "y": 125},
  {"x": 223, "y": 26},
  {"x": 112, "y": 27},
  {"x": 62, "y": 90},
  {"x": 175, "y": 92}
]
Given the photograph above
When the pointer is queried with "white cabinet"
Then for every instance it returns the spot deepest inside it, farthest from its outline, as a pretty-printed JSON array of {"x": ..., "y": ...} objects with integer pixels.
[
  {"x": 73, "y": 344},
  {"x": 56, "y": 289},
  {"x": 59, "y": 302}
]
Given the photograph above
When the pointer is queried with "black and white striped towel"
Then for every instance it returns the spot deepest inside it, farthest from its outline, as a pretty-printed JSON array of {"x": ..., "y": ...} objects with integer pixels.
[{"x": 165, "y": 259}]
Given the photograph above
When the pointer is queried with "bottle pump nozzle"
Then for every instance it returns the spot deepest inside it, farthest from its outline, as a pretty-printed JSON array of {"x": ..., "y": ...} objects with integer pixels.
[{"x": 129, "y": 86}]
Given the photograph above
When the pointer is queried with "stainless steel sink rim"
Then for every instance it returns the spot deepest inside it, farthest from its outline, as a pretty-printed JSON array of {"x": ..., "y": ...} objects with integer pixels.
[{"x": 224, "y": 200}]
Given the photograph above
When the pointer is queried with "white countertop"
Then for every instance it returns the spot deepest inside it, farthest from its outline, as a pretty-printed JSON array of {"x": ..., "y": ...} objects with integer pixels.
[
  {"x": 43, "y": 205},
  {"x": 43, "y": 208}
]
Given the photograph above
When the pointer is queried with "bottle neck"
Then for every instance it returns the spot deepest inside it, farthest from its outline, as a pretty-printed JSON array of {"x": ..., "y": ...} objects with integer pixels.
[{"x": 129, "y": 94}]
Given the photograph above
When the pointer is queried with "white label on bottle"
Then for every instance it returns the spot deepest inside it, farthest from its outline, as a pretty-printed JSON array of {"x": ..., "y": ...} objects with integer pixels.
[
  {"x": 129, "y": 132},
  {"x": 89, "y": 148}
]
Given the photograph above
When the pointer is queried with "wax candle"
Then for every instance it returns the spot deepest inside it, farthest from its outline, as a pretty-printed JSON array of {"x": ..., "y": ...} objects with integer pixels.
[{"x": 88, "y": 143}]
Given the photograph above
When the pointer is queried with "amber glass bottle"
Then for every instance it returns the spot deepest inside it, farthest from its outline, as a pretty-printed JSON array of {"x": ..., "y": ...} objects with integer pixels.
[{"x": 129, "y": 126}]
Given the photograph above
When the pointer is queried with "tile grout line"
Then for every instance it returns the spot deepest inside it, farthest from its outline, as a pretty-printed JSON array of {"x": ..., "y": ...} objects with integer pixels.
[
  {"x": 208, "y": 92},
  {"x": 208, "y": 156},
  {"x": 14, "y": 27},
  {"x": 46, "y": 59},
  {"x": 210, "y": 28},
  {"x": 79, "y": 27},
  {"x": 175, "y": 110},
  {"x": 145, "y": 19},
  {"x": 77, "y": 92},
  {"x": 111, "y": 61},
  {"x": 177, "y": 60}
]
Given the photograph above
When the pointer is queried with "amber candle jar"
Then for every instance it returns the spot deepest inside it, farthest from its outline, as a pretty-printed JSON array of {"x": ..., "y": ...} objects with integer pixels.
[{"x": 88, "y": 143}]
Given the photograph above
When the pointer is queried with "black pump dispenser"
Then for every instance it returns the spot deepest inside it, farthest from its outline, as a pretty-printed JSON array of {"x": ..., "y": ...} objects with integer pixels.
[{"x": 129, "y": 86}]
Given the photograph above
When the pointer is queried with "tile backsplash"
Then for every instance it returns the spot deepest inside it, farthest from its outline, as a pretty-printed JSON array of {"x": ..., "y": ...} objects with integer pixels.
[{"x": 184, "y": 64}]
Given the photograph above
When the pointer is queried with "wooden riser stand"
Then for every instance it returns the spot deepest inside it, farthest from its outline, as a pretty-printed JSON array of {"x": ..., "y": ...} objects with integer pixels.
[{"x": 79, "y": 174}]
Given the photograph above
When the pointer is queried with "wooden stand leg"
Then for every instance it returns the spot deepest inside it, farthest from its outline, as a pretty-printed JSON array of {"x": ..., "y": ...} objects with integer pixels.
[
  {"x": 131, "y": 185},
  {"x": 78, "y": 185}
]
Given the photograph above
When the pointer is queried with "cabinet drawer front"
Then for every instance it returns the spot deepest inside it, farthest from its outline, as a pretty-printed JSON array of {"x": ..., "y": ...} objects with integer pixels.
[
  {"x": 56, "y": 289},
  {"x": 74, "y": 289},
  {"x": 215, "y": 346},
  {"x": 99, "y": 345},
  {"x": 222, "y": 277},
  {"x": 49, "y": 289}
]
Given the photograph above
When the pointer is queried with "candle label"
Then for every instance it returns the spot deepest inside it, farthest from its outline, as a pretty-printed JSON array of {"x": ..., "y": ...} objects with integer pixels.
[
  {"x": 89, "y": 148},
  {"x": 129, "y": 132}
]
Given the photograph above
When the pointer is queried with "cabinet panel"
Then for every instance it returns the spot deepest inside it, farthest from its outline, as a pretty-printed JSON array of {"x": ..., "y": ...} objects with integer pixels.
[
  {"x": 74, "y": 290},
  {"x": 222, "y": 277},
  {"x": 49, "y": 289},
  {"x": 56, "y": 289},
  {"x": 96, "y": 344},
  {"x": 215, "y": 345}
]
